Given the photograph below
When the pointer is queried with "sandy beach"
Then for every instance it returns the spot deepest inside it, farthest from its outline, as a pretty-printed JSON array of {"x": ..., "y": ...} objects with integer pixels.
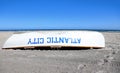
[{"x": 105, "y": 60}]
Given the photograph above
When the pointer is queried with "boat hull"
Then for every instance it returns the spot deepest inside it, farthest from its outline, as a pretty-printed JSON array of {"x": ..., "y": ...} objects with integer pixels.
[{"x": 90, "y": 39}]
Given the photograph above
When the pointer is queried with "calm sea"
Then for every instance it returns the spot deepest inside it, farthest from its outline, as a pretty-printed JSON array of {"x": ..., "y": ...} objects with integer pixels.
[{"x": 100, "y": 30}]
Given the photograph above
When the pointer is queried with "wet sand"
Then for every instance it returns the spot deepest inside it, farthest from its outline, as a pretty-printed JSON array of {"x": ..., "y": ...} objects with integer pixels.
[{"x": 105, "y": 60}]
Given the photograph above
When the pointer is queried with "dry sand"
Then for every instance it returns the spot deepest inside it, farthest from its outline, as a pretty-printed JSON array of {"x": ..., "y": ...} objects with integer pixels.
[{"x": 105, "y": 60}]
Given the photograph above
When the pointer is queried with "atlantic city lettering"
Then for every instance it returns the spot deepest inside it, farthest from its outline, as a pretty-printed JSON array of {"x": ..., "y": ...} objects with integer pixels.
[
  {"x": 53, "y": 40},
  {"x": 36, "y": 41}
]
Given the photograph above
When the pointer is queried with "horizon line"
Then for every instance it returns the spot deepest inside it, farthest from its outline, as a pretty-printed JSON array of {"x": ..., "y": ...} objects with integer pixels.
[{"x": 58, "y": 29}]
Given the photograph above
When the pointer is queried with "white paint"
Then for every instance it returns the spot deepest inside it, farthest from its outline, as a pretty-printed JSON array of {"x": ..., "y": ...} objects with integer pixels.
[{"x": 74, "y": 39}]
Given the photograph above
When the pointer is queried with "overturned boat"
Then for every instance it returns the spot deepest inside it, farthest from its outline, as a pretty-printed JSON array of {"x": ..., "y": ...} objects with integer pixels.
[{"x": 57, "y": 39}]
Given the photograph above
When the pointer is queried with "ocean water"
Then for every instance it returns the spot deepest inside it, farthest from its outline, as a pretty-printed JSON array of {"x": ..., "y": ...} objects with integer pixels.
[{"x": 100, "y": 30}]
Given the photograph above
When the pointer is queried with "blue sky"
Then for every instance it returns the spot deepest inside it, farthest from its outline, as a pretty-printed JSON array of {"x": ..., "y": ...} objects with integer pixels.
[{"x": 60, "y": 14}]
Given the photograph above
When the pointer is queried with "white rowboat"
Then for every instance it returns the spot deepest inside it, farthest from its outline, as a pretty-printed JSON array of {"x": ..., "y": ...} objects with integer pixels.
[{"x": 64, "y": 38}]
